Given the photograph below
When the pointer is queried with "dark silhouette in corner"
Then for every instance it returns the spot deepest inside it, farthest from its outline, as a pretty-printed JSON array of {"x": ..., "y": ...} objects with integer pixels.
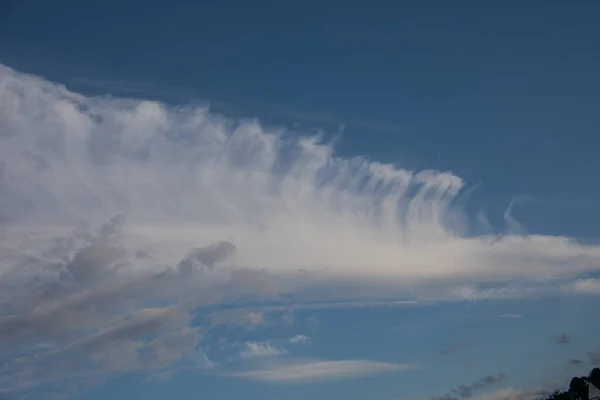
[{"x": 579, "y": 387}]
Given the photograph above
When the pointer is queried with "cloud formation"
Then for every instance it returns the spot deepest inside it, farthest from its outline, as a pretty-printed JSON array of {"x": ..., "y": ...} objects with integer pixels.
[
  {"x": 512, "y": 394},
  {"x": 450, "y": 350},
  {"x": 466, "y": 391},
  {"x": 259, "y": 350},
  {"x": 584, "y": 286},
  {"x": 510, "y": 316},
  {"x": 122, "y": 220},
  {"x": 563, "y": 338},
  {"x": 317, "y": 370},
  {"x": 178, "y": 173},
  {"x": 299, "y": 339}
]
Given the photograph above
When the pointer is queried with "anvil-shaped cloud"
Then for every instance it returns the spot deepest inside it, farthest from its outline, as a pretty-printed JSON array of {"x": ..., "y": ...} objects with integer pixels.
[{"x": 211, "y": 210}]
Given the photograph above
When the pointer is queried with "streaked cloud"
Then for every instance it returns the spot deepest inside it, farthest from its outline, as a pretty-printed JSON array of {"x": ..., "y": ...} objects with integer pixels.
[
  {"x": 510, "y": 316},
  {"x": 313, "y": 370},
  {"x": 234, "y": 177},
  {"x": 123, "y": 221}
]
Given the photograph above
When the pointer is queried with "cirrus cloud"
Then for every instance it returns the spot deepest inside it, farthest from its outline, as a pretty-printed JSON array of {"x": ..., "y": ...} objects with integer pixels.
[{"x": 205, "y": 211}]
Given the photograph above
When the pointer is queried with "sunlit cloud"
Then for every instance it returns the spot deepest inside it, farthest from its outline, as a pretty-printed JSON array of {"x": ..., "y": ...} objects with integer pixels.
[
  {"x": 316, "y": 370},
  {"x": 122, "y": 221},
  {"x": 259, "y": 350},
  {"x": 299, "y": 339}
]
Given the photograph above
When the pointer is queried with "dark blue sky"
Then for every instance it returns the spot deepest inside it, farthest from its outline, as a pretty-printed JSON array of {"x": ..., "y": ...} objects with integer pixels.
[{"x": 502, "y": 93}]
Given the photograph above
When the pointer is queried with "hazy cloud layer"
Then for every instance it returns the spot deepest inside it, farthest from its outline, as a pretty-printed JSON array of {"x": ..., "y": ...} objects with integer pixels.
[{"x": 122, "y": 221}]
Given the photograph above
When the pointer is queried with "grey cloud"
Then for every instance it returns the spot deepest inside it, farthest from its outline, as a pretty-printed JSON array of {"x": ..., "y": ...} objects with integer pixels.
[
  {"x": 449, "y": 350},
  {"x": 574, "y": 361},
  {"x": 563, "y": 338},
  {"x": 466, "y": 391},
  {"x": 512, "y": 394},
  {"x": 120, "y": 349},
  {"x": 207, "y": 256},
  {"x": 142, "y": 322},
  {"x": 93, "y": 262},
  {"x": 87, "y": 312},
  {"x": 112, "y": 228},
  {"x": 490, "y": 379}
]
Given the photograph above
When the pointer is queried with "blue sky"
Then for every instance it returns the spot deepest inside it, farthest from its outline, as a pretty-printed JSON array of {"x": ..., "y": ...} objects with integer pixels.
[{"x": 312, "y": 200}]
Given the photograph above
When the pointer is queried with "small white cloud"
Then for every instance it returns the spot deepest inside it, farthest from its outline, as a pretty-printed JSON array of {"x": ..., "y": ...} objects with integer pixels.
[
  {"x": 261, "y": 349},
  {"x": 311, "y": 371},
  {"x": 299, "y": 339}
]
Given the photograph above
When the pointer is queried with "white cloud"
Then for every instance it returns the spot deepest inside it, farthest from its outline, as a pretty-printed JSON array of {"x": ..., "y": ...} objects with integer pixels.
[
  {"x": 203, "y": 210},
  {"x": 299, "y": 339},
  {"x": 259, "y": 350},
  {"x": 311, "y": 371},
  {"x": 90, "y": 158}
]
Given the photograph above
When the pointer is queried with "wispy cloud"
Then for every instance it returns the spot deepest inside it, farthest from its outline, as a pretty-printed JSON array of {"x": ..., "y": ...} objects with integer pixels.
[
  {"x": 102, "y": 157},
  {"x": 510, "y": 316},
  {"x": 312, "y": 371},
  {"x": 259, "y": 350},
  {"x": 205, "y": 211}
]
